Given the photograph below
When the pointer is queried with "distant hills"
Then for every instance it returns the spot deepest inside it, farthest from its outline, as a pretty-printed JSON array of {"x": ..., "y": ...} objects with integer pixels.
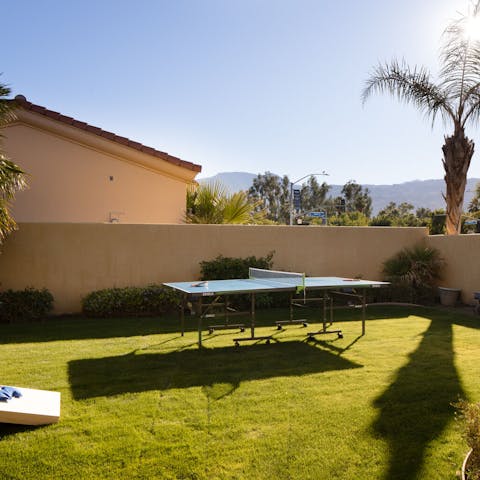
[{"x": 420, "y": 193}]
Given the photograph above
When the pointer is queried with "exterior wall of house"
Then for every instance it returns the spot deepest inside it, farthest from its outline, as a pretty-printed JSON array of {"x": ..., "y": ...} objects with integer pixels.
[
  {"x": 75, "y": 176},
  {"x": 72, "y": 260}
]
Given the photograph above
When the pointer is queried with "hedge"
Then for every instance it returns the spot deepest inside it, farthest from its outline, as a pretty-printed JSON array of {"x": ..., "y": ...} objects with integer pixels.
[{"x": 130, "y": 301}]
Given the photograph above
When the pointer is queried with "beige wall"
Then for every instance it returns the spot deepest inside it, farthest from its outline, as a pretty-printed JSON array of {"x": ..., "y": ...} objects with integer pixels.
[
  {"x": 74, "y": 259},
  {"x": 462, "y": 254},
  {"x": 69, "y": 174}
]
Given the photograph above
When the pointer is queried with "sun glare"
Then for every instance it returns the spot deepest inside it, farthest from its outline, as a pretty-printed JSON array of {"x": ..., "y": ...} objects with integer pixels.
[{"x": 472, "y": 29}]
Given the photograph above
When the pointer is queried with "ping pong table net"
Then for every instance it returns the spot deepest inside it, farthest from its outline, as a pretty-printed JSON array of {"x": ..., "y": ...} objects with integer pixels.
[{"x": 278, "y": 278}]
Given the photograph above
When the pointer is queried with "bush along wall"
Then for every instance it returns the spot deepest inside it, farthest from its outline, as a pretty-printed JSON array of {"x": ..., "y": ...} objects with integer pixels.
[
  {"x": 130, "y": 301},
  {"x": 25, "y": 305},
  {"x": 414, "y": 273},
  {"x": 227, "y": 268}
]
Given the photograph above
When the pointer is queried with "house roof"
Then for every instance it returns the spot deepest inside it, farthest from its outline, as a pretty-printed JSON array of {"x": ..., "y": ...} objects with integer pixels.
[{"x": 22, "y": 102}]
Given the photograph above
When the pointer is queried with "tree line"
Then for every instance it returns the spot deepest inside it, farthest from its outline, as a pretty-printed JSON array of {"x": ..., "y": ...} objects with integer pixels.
[
  {"x": 269, "y": 201},
  {"x": 272, "y": 194}
]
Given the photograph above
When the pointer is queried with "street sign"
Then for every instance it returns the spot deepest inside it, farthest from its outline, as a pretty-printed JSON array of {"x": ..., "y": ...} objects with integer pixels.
[
  {"x": 297, "y": 200},
  {"x": 317, "y": 214}
]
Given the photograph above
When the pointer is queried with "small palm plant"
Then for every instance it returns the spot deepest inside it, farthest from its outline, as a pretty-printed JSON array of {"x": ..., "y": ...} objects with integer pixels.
[
  {"x": 211, "y": 203},
  {"x": 413, "y": 273},
  {"x": 12, "y": 178}
]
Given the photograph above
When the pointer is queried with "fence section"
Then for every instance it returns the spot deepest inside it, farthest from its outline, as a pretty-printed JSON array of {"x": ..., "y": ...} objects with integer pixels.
[{"x": 72, "y": 260}]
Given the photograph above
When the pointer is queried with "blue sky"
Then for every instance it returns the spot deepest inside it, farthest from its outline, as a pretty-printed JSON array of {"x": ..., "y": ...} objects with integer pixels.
[{"x": 238, "y": 85}]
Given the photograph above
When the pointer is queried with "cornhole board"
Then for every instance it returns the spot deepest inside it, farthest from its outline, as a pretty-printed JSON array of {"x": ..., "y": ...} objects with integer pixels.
[{"x": 34, "y": 407}]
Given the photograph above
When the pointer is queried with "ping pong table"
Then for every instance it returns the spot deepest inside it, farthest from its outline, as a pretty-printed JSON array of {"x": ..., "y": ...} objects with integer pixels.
[{"x": 263, "y": 281}]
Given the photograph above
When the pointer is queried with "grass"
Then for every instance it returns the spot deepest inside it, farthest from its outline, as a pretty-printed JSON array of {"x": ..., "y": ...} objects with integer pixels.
[{"x": 140, "y": 401}]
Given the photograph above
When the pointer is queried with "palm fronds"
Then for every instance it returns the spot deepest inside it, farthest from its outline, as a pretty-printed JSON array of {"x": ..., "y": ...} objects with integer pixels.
[
  {"x": 409, "y": 85},
  {"x": 456, "y": 96},
  {"x": 211, "y": 203},
  {"x": 7, "y": 107},
  {"x": 12, "y": 177}
]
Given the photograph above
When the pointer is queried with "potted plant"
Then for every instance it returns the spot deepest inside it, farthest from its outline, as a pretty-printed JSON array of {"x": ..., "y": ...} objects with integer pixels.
[{"x": 469, "y": 414}]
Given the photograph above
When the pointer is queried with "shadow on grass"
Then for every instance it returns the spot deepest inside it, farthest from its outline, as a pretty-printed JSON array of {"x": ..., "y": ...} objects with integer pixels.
[
  {"x": 416, "y": 407},
  {"x": 219, "y": 370},
  {"x": 83, "y": 328},
  {"x": 7, "y": 429}
]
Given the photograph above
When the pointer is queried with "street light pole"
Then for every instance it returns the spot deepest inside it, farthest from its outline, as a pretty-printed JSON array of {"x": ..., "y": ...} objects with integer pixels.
[{"x": 291, "y": 190}]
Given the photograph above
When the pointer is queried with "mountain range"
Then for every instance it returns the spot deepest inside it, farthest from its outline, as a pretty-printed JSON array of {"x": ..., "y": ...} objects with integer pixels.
[{"x": 419, "y": 193}]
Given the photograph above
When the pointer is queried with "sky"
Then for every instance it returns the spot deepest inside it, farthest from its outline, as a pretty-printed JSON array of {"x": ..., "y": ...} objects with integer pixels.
[{"x": 239, "y": 85}]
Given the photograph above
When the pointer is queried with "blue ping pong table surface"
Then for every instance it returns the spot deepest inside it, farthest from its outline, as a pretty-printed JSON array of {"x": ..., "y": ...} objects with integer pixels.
[{"x": 218, "y": 287}]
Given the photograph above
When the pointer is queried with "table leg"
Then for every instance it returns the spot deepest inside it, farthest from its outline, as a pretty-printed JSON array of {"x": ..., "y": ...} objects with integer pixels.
[
  {"x": 182, "y": 313},
  {"x": 363, "y": 311},
  {"x": 252, "y": 314},
  {"x": 199, "y": 306},
  {"x": 324, "y": 295}
]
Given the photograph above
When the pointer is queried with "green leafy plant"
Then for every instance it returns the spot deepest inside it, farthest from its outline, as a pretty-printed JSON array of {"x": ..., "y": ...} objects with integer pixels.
[
  {"x": 469, "y": 415},
  {"x": 12, "y": 177},
  {"x": 227, "y": 268},
  {"x": 130, "y": 301},
  {"x": 211, "y": 203},
  {"x": 413, "y": 273},
  {"x": 25, "y": 305}
]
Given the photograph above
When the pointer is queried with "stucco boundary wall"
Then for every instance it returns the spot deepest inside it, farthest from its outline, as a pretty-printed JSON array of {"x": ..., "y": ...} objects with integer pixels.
[
  {"x": 74, "y": 259},
  {"x": 462, "y": 255}
]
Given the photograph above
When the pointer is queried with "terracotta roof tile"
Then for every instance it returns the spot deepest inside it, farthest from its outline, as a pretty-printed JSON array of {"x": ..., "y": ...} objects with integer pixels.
[
  {"x": 37, "y": 108},
  {"x": 149, "y": 150},
  {"x": 110, "y": 136},
  {"x": 65, "y": 119},
  {"x": 78, "y": 124},
  {"x": 92, "y": 129},
  {"x": 122, "y": 140},
  {"x": 22, "y": 102},
  {"x": 136, "y": 145}
]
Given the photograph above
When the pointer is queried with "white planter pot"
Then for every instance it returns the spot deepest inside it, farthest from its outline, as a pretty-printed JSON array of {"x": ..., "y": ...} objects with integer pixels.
[{"x": 448, "y": 296}]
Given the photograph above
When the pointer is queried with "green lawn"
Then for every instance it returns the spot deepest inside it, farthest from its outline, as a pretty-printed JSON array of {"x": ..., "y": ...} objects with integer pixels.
[{"x": 140, "y": 401}]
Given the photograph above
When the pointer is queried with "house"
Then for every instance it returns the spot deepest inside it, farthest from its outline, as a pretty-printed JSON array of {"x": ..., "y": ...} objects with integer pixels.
[{"x": 81, "y": 173}]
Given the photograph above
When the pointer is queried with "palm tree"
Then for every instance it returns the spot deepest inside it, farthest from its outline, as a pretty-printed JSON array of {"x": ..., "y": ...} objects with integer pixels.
[
  {"x": 211, "y": 203},
  {"x": 456, "y": 96},
  {"x": 12, "y": 178}
]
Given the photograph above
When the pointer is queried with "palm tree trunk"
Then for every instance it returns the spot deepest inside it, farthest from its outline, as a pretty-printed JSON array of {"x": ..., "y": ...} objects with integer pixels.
[{"x": 457, "y": 154}]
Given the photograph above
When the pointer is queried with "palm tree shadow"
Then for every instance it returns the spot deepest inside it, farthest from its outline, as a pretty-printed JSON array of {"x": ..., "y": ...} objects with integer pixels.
[{"x": 416, "y": 407}]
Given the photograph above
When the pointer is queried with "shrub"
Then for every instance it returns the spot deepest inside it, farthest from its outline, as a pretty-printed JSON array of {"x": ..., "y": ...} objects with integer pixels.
[
  {"x": 25, "y": 305},
  {"x": 413, "y": 273},
  {"x": 227, "y": 268},
  {"x": 130, "y": 301},
  {"x": 469, "y": 414}
]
